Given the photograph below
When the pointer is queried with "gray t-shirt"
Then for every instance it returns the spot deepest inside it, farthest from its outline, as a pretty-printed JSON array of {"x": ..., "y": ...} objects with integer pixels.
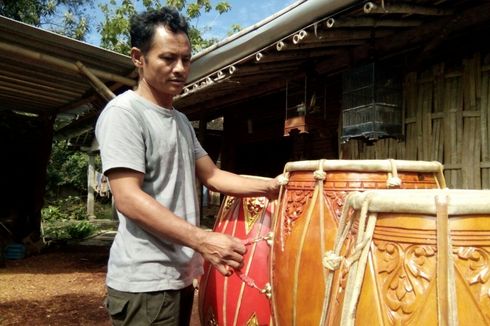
[{"x": 134, "y": 133}]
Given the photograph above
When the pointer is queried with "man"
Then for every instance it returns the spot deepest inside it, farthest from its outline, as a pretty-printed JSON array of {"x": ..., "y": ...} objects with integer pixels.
[{"x": 151, "y": 156}]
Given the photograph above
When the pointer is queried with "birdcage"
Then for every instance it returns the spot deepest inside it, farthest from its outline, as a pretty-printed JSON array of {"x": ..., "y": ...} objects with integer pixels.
[
  {"x": 371, "y": 103},
  {"x": 305, "y": 110}
]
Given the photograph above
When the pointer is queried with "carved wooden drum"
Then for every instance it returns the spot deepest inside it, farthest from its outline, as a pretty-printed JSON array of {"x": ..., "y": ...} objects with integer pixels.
[
  {"x": 241, "y": 298},
  {"x": 412, "y": 257},
  {"x": 306, "y": 221}
]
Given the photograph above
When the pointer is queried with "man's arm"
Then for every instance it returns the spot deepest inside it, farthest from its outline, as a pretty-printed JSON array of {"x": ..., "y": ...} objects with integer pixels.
[
  {"x": 220, "y": 249},
  {"x": 232, "y": 184}
]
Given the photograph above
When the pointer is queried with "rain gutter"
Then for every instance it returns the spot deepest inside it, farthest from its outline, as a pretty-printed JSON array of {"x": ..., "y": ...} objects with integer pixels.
[{"x": 265, "y": 32}]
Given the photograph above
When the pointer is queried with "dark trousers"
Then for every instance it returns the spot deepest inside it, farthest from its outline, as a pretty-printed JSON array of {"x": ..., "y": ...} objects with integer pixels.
[{"x": 169, "y": 307}]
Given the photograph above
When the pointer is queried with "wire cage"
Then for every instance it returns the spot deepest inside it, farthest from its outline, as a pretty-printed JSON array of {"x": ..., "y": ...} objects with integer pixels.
[
  {"x": 371, "y": 103},
  {"x": 305, "y": 107}
]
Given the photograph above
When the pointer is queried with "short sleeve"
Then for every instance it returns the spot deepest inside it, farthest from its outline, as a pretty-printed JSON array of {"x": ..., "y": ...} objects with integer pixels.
[{"x": 121, "y": 139}]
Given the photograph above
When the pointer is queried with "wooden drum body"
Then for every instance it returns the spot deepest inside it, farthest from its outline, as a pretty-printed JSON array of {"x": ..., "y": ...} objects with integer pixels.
[
  {"x": 305, "y": 227},
  {"x": 232, "y": 300},
  {"x": 413, "y": 257}
]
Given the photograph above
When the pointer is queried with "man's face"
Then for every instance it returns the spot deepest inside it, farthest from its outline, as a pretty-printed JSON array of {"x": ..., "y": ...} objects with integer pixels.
[{"x": 166, "y": 65}]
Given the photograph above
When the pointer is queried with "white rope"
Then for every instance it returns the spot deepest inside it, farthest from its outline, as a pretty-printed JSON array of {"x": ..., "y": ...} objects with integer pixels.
[
  {"x": 354, "y": 283},
  {"x": 331, "y": 261},
  {"x": 319, "y": 175},
  {"x": 283, "y": 179},
  {"x": 393, "y": 180}
]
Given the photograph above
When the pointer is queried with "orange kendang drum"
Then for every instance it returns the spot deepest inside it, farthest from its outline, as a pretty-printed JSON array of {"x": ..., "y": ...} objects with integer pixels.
[
  {"x": 310, "y": 204},
  {"x": 412, "y": 257},
  {"x": 242, "y": 298}
]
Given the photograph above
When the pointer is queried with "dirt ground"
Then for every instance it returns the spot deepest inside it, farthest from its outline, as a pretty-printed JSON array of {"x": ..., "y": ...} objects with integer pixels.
[{"x": 61, "y": 286}]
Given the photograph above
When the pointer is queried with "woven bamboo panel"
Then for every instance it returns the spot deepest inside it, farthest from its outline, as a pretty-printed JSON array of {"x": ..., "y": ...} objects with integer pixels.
[{"x": 447, "y": 119}]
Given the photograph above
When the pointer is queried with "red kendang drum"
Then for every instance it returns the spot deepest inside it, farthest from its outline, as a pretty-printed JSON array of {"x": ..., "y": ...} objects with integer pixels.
[
  {"x": 242, "y": 298},
  {"x": 412, "y": 257},
  {"x": 310, "y": 204}
]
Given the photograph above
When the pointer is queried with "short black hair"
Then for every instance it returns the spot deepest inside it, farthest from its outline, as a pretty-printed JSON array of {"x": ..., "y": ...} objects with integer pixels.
[{"x": 143, "y": 25}]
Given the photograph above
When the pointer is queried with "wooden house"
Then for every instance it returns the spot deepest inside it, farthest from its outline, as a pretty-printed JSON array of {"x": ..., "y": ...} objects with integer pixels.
[
  {"x": 286, "y": 88},
  {"x": 43, "y": 76}
]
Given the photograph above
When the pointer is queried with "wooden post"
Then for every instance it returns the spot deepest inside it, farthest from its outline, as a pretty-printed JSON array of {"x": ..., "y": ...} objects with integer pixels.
[
  {"x": 90, "y": 185},
  {"x": 201, "y": 136},
  {"x": 96, "y": 83}
]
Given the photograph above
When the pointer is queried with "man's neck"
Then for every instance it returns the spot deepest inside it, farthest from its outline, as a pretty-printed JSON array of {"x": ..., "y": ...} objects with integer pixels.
[{"x": 150, "y": 94}]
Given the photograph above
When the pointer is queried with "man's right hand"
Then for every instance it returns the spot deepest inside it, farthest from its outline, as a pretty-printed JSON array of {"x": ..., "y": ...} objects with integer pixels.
[{"x": 223, "y": 251}]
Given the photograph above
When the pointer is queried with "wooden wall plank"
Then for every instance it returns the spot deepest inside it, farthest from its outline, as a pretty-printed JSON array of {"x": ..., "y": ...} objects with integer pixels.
[
  {"x": 447, "y": 119},
  {"x": 411, "y": 115},
  {"x": 485, "y": 132}
]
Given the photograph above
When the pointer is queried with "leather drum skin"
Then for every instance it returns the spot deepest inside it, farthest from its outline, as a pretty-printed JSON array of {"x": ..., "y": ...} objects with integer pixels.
[
  {"x": 306, "y": 221},
  {"x": 412, "y": 257},
  {"x": 239, "y": 299}
]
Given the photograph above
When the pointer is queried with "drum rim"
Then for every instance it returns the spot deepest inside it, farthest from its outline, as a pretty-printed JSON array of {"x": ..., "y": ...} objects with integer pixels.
[
  {"x": 421, "y": 201},
  {"x": 364, "y": 165}
]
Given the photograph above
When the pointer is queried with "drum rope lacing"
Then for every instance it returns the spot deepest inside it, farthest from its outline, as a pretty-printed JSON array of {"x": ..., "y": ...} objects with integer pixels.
[
  {"x": 358, "y": 261},
  {"x": 355, "y": 262},
  {"x": 332, "y": 261},
  {"x": 245, "y": 278},
  {"x": 393, "y": 180},
  {"x": 282, "y": 179},
  {"x": 319, "y": 175}
]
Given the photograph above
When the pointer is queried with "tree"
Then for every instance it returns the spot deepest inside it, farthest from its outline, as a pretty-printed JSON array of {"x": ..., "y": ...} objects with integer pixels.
[
  {"x": 67, "y": 169},
  {"x": 67, "y": 17},
  {"x": 114, "y": 30}
]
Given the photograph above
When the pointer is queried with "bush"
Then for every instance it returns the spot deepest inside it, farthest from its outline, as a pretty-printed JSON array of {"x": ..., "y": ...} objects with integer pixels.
[
  {"x": 80, "y": 230},
  {"x": 65, "y": 219}
]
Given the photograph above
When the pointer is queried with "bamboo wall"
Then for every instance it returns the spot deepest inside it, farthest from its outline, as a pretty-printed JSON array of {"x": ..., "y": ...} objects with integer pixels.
[{"x": 447, "y": 119}]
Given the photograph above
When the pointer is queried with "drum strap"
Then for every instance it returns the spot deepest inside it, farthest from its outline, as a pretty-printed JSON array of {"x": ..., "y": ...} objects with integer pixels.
[
  {"x": 446, "y": 292},
  {"x": 332, "y": 260},
  {"x": 356, "y": 272},
  {"x": 357, "y": 259},
  {"x": 283, "y": 181}
]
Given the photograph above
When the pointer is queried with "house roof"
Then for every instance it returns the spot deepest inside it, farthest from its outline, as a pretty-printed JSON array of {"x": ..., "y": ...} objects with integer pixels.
[
  {"x": 40, "y": 71},
  {"x": 324, "y": 36}
]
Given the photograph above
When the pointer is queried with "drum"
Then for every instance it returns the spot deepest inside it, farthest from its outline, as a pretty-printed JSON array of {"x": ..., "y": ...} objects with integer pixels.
[
  {"x": 413, "y": 257},
  {"x": 306, "y": 221},
  {"x": 240, "y": 299}
]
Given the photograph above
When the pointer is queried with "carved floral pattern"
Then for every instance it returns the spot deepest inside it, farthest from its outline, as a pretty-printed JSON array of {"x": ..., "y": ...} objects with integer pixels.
[
  {"x": 405, "y": 274},
  {"x": 229, "y": 201},
  {"x": 295, "y": 204},
  {"x": 474, "y": 265},
  {"x": 253, "y": 209},
  {"x": 336, "y": 200}
]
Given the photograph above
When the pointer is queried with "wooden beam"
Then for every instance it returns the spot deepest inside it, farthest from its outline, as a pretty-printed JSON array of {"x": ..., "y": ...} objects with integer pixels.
[
  {"x": 370, "y": 22},
  {"x": 91, "y": 183},
  {"x": 291, "y": 54},
  {"x": 98, "y": 85},
  {"x": 60, "y": 63},
  {"x": 348, "y": 35},
  {"x": 86, "y": 100},
  {"x": 33, "y": 83},
  {"x": 28, "y": 93},
  {"x": 218, "y": 103},
  {"x": 406, "y": 9},
  {"x": 409, "y": 40}
]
